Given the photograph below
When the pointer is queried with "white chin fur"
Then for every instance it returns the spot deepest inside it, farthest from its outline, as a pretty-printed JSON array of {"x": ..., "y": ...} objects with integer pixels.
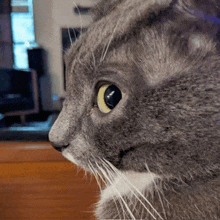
[
  {"x": 128, "y": 182},
  {"x": 124, "y": 183},
  {"x": 69, "y": 157}
]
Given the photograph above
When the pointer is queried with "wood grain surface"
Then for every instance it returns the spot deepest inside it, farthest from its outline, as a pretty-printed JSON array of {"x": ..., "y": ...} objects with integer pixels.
[{"x": 37, "y": 183}]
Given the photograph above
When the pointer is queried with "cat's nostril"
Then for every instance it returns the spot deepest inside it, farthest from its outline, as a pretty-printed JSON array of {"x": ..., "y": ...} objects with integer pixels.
[{"x": 59, "y": 148}]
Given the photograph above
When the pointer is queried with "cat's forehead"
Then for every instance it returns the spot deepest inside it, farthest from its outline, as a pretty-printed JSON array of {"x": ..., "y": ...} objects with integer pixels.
[
  {"x": 118, "y": 60},
  {"x": 116, "y": 26},
  {"x": 113, "y": 39}
]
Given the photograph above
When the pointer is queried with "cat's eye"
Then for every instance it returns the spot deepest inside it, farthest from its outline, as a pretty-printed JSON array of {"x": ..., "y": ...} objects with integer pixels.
[{"x": 108, "y": 97}]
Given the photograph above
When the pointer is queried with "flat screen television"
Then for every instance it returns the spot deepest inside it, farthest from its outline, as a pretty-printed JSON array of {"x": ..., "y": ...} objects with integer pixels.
[{"x": 18, "y": 92}]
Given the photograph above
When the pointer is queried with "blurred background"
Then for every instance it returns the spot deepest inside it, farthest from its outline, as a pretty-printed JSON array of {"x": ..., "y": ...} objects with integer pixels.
[
  {"x": 36, "y": 182},
  {"x": 34, "y": 35}
]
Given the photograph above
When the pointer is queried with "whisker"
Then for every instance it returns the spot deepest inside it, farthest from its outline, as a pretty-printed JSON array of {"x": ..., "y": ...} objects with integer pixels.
[
  {"x": 115, "y": 201},
  {"x": 81, "y": 23},
  {"x": 64, "y": 51},
  {"x": 110, "y": 181},
  {"x": 103, "y": 175},
  {"x": 94, "y": 60},
  {"x": 113, "y": 176},
  {"x": 74, "y": 32},
  {"x": 134, "y": 188},
  {"x": 71, "y": 41},
  {"x": 95, "y": 175},
  {"x": 105, "y": 50},
  {"x": 158, "y": 192},
  {"x": 85, "y": 175}
]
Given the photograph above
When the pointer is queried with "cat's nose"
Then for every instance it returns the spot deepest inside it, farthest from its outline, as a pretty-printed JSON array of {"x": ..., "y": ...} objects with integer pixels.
[
  {"x": 59, "y": 133},
  {"x": 57, "y": 140},
  {"x": 59, "y": 148}
]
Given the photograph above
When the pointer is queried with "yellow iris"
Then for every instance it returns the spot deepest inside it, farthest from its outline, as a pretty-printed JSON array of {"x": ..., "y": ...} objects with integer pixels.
[{"x": 101, "y": 99}]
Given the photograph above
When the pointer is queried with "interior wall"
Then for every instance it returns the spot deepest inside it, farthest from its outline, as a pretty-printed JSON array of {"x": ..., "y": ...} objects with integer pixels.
[{"x": 50, "y": 16}]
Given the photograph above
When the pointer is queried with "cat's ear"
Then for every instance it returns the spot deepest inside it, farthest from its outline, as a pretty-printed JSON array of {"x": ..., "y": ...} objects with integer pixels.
[{"x": 186, "y": 33}]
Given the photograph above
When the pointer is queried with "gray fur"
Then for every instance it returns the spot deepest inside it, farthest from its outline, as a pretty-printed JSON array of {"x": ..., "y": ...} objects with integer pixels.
[{"x": 165, "y": 60}]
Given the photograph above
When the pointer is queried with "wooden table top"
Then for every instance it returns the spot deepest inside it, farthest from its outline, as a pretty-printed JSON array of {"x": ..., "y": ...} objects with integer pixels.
[{"x": 36, "y": 182}]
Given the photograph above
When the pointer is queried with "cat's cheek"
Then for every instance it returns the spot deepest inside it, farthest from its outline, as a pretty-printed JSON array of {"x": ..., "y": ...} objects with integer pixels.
[
  {"x": 80, "y": 152},
  {"x": 69, "y": 155}
]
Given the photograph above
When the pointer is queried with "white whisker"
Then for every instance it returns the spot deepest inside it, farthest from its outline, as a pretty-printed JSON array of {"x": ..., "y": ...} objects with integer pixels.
[
  {"x": 64, "y": 51},
  {"x": 105, "y": 50},
  {"x": 81, "y": 23},
  {"x": 113, "y": 176},
  {"x": 134, "y": 188},
  {"x": 115, "y": 200},
  {"x": 158, "y": 192},
  {"x": 110, "y": 181},
  {"x": 94, "y": 60},
  {"x": 74, "y": 32},
  {"x": 85, "y": 175},
  {"x": 95, "y": 175},
  {"x": 71, "y": 41}
]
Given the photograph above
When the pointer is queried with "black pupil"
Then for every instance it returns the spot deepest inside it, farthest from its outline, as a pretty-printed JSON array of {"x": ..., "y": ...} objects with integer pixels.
[{"x": 112, "y": 96}]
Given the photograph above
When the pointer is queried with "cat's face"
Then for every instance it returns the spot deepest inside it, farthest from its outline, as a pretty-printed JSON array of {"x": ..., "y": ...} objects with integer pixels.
[{"x": 142, "y": 93}]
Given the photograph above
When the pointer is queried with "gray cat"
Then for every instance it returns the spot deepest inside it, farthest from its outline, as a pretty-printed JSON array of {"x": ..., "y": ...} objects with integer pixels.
[{"x": 142, "y": 110}]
